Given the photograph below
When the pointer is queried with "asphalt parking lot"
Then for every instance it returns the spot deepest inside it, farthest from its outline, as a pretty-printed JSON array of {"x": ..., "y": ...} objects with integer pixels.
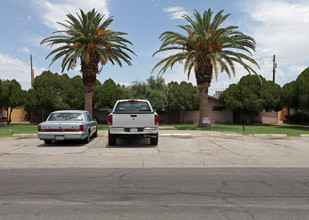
[{"x": 176, "y": 149}]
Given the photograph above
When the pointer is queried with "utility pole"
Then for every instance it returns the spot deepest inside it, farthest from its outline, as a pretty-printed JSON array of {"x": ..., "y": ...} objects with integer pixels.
[
  {"x": 274, "y": 67},
  {"x": 32, "y": 72}
]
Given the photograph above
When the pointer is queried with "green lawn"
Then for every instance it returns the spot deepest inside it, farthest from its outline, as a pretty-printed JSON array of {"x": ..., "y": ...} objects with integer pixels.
[
  {"x": 290, "y": 130},
  {"x": 9, "y": 130}
]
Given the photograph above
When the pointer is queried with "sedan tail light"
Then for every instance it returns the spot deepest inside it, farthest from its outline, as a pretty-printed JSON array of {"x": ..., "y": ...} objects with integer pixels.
[
  {"x": 110, "y": 120},
  {"x": 81, "y": 127},
  {"x": 39, "y": 128},
  {"x": 156, "y": 119}
]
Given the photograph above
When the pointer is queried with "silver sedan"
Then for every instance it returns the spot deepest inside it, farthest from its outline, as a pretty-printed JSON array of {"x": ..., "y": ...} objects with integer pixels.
[{"x": 68, "y": 125}]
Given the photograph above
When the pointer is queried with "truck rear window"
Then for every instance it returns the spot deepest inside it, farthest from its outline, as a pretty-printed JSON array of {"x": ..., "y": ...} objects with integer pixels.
[{"x": 132, "y": 106}]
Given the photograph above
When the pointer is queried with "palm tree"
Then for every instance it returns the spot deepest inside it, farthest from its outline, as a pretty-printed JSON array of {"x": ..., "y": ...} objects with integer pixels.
[
  {"x": 206, "y": 47},
  {"x": 87, "y": 38}
]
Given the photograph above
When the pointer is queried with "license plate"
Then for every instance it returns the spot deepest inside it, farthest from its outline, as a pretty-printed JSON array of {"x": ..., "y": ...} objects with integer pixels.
[
  {"x": 133, "y": 130},
  {"x": 59, "y": 138}
]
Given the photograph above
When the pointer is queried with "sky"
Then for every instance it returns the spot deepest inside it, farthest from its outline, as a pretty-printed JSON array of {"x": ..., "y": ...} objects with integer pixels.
[{"x": 279, "y": 27}]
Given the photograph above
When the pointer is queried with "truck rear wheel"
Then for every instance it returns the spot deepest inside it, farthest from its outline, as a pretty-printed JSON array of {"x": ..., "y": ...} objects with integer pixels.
[
  {"x": 154, "y": 141},
  {"x": 111, "y": 139},
  {"x": 47, "y": 141}
]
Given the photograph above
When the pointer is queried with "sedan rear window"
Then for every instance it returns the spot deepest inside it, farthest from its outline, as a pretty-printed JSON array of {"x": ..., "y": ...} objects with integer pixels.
[
  {"x": 65, "y": 117},
  {"x": 132, "y": 106}
]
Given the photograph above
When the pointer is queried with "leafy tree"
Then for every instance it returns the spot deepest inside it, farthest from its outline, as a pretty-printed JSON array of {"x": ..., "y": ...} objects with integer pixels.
[
  {"x": 207, "y": 46},
  {"x": 302, "y": 84},
  {"x": 1, "y": 93},
  {"x": 74, "y": 93},
  {"x": 106, "y": 94},
  {"x": 50, "y": 91},
  {"x": 182, "y": 97},
  {"x": 296, "y": 93},
  {"x": 87, "y": 38},
  {"x": 13, "y": 96},
  {"x": 154, "y": 90},
  {"x": 251, "y": 95},
  {"x": 289, "y": 95},
  {"x": 271, "y": 94}
]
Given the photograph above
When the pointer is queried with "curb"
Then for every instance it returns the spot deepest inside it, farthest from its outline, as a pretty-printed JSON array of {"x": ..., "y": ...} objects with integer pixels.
[
  {"x": 175, "y": 135},
  {"x": 304, "y": 135},
  {"x": 24, "y": 135},
  {"x": 269, "y": 135}
]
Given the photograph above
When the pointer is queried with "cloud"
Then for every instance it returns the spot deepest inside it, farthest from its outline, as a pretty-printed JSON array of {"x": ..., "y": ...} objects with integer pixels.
[
  {"x": 281, "y": 28},
  {"x": 12, "y": 68},
  {"x": 51, "y": 13},
  {"x": 176, "y": 12},
  {"x": 25, "y": 49}
]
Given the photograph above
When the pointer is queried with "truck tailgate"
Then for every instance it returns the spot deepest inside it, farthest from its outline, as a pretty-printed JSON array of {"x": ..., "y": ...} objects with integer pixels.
[{"x": 134, "y": 120}]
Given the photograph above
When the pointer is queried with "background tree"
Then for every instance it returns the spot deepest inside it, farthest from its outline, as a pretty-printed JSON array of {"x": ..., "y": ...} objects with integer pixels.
[
  {"x": 87, "y": 38},
  {"x": 1, "y": 93},
  {"x": 207, "y": 47},
  {"x": 74, "y": 93},
  {"x": 54, "y": 92},
  {"x": 106, "y": 94},
  {"x": 154, "y": 90},
  {"x": 302, "y": 85},
  {"x": 289, "y": 96},
  {"x": 13, "y": 96},
  {"x": 251, "y": 95},
  {"x": 271, "y": 94},
  {"x": 51, "y": 90},
  {"x": 182, "y": 97}
]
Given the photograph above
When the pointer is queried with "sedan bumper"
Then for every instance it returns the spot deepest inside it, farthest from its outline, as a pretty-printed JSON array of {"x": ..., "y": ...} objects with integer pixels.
[{"x": 62, "y": 135}]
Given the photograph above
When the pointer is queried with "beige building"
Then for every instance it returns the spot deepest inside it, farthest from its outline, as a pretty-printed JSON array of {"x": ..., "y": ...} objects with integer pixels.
[{"x": 18, "y": 115}]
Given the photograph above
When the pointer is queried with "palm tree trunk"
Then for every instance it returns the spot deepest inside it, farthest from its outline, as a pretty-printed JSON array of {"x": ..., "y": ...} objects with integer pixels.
[
  {"x": 203, "y": 96},
  {"x": 203, "y": 74},
  {"x": 88, "y": 98},
  {"x": 90, "y": 71}
]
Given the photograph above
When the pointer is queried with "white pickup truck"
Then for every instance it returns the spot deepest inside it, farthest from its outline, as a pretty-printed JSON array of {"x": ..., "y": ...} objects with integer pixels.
[{"x": 133, "y": 117}]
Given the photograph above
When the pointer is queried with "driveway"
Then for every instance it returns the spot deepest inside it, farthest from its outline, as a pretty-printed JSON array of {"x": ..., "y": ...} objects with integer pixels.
[{"x": 176, "y": 149}]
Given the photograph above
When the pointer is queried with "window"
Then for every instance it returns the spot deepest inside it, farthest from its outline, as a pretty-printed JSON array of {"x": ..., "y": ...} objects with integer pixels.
[
  {"x": 66, "y": 117},
  {"x": 218, "y": 108},
  {"x": 132, "y": 106},
  {"x": 89, "y": 118}
]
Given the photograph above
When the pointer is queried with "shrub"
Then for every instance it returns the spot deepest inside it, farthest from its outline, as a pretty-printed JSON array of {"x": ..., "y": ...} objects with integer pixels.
[{"x": 298, "y": 117}]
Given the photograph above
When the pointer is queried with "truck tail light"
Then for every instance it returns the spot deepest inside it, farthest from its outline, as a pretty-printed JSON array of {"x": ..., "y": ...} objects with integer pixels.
[
  {"x": 81, "y": 127},
  {"x": 39, "y": 128},
  {"x": 110, "y": 120},
  {"x": 156, "y": 119}
]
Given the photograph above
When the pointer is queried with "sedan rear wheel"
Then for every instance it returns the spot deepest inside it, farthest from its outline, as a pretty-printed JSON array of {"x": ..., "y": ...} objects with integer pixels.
[{"x": 87, "y": 139}]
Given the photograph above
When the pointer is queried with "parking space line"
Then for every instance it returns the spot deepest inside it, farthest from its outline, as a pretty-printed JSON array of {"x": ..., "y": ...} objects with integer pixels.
[{"x": 224, "y": 148}]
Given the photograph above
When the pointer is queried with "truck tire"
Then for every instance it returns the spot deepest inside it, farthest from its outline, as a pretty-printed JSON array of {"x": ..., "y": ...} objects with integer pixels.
[
  {"x": 111, "y": 139},
  {"x": 154, "y": 141},
  {"x": 47, "y": 141}
]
